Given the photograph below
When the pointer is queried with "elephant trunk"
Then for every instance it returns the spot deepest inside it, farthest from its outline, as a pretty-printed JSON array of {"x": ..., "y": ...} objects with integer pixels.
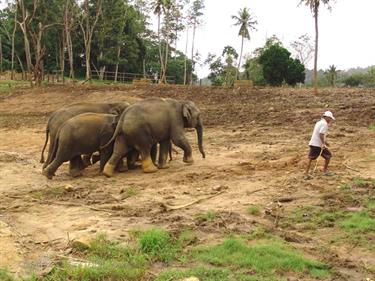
[{"x": 199, "y": 129}]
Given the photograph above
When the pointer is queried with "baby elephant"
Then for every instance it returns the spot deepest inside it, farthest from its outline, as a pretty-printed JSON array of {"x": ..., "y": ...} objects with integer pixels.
[{"x": 82, "y": 134}]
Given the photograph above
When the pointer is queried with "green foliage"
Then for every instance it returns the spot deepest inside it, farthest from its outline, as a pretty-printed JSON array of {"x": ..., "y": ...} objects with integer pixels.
[
  {"x": 254, "y": 72},
  {"x": 262, "y": 258},
  {"x": 372, "y": 127},
  {"x": 279, "y": 67},
  {"x": 157, "y": 244}
]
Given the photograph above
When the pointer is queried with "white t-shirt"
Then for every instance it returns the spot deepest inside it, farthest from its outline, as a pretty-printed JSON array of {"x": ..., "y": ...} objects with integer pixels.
[{"x": 321, "y": 127}]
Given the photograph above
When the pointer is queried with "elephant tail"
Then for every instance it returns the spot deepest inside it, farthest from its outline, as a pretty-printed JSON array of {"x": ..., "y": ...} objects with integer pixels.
[
  {"x": 55, "y": 146},
  {"x": 117, "y": 131},
  {"x": 44, "y": 147}
]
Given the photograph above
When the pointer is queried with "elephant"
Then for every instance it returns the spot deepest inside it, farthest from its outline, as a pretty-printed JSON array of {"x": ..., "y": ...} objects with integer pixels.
[
  {"x": 151, "y": 121},
  {"x": 82, "y": 134},
  {"x": 63, "y": 114}
]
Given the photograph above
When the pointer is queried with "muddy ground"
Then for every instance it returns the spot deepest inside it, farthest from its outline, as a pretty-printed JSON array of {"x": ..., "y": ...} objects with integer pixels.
[{"x": 256, "y": 147}]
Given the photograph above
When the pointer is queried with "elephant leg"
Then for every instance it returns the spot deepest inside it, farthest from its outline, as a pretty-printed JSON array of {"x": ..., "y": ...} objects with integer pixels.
[
  {"x": 148, "y": 165},
  {"x": 95, "y": 158},
  {"x": 105, "y": 154},
  {"x": 132, "y": 159},
  {"x": 121, "y": 167},
  {"x": 163, "y": 154},
  {"x": 75, "y": 166},
  {"x": 183, "y": 143},
  {"x": 50, "y": 170},
  {"x": 119, "y": 150},
  {"x": 86, "y": 159},
  {"x": 154, "y": 152}
]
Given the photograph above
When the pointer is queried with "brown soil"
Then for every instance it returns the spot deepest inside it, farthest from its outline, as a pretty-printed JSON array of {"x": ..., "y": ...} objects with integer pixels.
[{"x": 256, "y": 146}]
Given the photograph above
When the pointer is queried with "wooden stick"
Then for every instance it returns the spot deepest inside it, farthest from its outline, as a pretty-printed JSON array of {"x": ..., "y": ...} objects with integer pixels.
[
  {"x": 350, "y": 168},
  {"x": 172, "y": 208}
]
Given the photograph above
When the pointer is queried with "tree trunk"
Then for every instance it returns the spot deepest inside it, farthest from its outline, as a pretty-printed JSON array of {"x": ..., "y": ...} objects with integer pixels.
[
  {"x": 117, "y": 63},
  {"x": 239, "y": 60},
  {"x": 185, "y": 60},
  {"x": 101, "y": 67},
  {"x": 13, "y": 39},
  {"x": 164, "y": 78},
  {"x": 316, "y": 50},
  {"x": 160, "y": 53},
  {"x": 67, "y": 29},
  {"x": 1, "y": 55},
  {"x": 62, "y": 56},
  {"x": 192, "y": 55}
]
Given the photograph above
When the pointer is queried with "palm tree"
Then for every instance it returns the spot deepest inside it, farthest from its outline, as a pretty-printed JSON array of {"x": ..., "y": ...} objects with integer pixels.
[
  {"x": 246, "y": 23},
  {"x": 314, "y": 7},
  {"x": 331, "y": 73}
]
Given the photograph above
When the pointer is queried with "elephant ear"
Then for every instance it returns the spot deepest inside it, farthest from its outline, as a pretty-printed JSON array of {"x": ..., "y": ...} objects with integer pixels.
[{"x": 186, "y": 111}]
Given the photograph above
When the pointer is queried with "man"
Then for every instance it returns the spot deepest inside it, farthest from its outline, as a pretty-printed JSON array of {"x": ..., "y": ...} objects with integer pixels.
[{"x": 318, "y": 144}]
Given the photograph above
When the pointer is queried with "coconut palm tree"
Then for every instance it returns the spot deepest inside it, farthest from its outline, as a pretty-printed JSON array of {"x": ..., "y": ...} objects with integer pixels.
[
  {"x": 331, "y": 73},
  {"x": 314, "y": 7},
  {"x": 246, "y": 22}
]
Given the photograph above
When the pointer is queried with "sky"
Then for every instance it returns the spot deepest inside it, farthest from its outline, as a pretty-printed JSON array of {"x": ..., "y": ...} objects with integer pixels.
[{"x": 346, "y": 33}]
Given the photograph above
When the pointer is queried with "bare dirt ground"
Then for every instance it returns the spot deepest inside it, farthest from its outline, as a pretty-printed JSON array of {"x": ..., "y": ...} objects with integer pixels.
[{"x": 256, "y": 146}]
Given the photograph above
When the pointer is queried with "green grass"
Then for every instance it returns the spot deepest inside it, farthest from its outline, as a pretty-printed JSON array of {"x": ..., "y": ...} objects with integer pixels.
[
  {"x": 360, "y": 182},
  {"x": 372, "y": 127},
  {"x": 207, "y": 216},
  {"x": 253, "y": 210},
  {"x": 359, "y": 222},
  {"x": 264, "y": 258},
  {"x": 131, "y": 191},
  {"x": 158, "y": 245},
  {"x": 5, "y": 275},
  {"x": 50, "y": 192},
  {"x": 8, "y": 85}
]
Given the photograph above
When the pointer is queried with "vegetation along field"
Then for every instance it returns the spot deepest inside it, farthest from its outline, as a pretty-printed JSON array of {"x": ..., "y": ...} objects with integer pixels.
[{"x": 245, "y": 212}]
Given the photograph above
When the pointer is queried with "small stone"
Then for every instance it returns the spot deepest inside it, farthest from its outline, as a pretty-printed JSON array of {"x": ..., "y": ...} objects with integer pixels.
[
  {"x": 190, "y": 279},
  {"x": 68, "y": 187},
  {"x": 198, "y": 189},
  {"x": 82, "y": 243}
]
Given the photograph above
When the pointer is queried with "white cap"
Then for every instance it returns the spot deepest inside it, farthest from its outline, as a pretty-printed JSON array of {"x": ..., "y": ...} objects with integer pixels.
[{"x": 329, "y": 114}]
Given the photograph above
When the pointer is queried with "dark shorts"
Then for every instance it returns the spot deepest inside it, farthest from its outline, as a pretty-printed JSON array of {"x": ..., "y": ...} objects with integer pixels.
[{"x": 315, "y": 152}]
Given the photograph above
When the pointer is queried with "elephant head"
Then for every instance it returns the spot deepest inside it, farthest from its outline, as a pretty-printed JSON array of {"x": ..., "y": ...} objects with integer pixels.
[
  {"x": 192, "y": 119},
  {"x": 118, "y": 108}
]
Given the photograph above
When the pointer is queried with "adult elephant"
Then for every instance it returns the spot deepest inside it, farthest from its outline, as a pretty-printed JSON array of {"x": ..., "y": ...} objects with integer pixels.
[
  {"x": 82, "y": 134},
  {"x": 65, "y": 113},
  {"x": 152, "y": 121}
]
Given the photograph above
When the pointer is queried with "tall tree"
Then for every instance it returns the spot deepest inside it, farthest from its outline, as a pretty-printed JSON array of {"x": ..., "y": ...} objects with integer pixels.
[
  {"x": 246, "y": 22},
  {"x": 195, "y": 17},
  {"x": 314, "y": 7},
  {"x": 87, "y": 24},
  {"x": 331, "y": 74},
  {"x": 303, "y": 49}
]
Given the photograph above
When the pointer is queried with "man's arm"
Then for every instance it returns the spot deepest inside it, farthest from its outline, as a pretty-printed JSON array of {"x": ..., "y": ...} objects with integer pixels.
[{"x": 323, "y": 139}]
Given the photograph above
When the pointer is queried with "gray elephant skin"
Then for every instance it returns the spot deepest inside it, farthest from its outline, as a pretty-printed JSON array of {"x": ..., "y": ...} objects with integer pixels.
[
  {"x": 151, "y": 121},
  {"x": 65, "y": 113},
  {"x": 82, "y": 134}
]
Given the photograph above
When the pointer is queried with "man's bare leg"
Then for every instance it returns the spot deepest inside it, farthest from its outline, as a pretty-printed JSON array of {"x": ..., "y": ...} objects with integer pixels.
[
  {"x": 308, "y": 167},
  {"x": 326, "y": 162}
]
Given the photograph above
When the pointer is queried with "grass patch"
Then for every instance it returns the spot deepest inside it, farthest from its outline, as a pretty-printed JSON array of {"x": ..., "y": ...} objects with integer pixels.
[
  {"x": 359, "y": 222},
  {"x": 364, "y": 183},
  {"x": 372, "y": 127},
  {"x": 50, "y": 192},
  {"x": 131, "y": 191},
  {"x": 265, "y": 258},
  {"x": 253, "y": 210},
  {"x": 104, "y": 260},
  {"x": 5, "y": 275},
  {"x": 158, "y": 245},
  {"x": 207, "y": 216},
  {"x": 8, "y": 85}
]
